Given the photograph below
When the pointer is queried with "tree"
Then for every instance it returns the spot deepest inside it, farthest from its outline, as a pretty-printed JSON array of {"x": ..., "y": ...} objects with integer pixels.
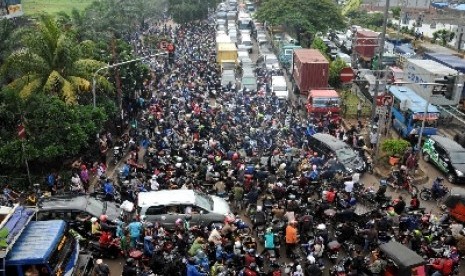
[
  {"x": 54, "y": 129},
  {"x": 310, "y": 16},
  {"x": 6, "y": 41},
  {"x": 396, "y": 12},
  {"x": 444, "y": 36},
  {"x": 365, "y": 19},
  {"x": 49, "y": 61},
  {"x": 319, "y": 44},
  {"x": 184, "y": 11},
  {"x": 335, "y": 68}
]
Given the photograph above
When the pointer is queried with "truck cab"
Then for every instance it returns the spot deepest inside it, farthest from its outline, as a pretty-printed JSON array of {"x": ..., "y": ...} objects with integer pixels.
[{"x": 324, "y": 102}]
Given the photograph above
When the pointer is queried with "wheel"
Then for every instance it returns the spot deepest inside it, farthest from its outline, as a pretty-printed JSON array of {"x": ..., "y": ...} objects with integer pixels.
[
  {"x": 451, "y": 178},
  {"x": 413, "y": 190},
  {"x": 426, "y": 157},
  {"x": 425, "y": 195}
]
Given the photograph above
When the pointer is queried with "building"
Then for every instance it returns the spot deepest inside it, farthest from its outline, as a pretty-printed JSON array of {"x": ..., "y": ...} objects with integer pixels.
[{"x": 417, "y": 5}]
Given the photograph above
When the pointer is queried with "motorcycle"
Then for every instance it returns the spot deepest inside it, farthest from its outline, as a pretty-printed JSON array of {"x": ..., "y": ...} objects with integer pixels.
[{"x": 427, "y": 194}]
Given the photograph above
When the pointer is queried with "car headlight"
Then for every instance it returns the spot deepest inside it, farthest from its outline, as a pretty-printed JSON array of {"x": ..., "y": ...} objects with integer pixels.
[{"x": 459, "y": 173}]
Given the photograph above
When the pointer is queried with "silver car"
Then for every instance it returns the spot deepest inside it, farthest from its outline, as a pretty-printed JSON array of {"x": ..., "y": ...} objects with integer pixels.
[{"x": 167, "y": 206}]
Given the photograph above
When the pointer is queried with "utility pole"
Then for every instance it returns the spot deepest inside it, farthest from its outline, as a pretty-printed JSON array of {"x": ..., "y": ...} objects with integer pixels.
[{"x": 380, "y": 61}]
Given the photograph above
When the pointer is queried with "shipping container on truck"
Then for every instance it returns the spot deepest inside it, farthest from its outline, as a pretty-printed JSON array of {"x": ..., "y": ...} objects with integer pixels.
[
  {"x": 227, "y": 53},
  {"x": 427, "y": 71},
  {"x": 310, "y": 70},
  {"x": 365, "y": 44}
]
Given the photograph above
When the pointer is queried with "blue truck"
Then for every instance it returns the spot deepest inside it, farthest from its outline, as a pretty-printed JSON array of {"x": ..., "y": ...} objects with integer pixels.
[{"x": 44, "y": 247}]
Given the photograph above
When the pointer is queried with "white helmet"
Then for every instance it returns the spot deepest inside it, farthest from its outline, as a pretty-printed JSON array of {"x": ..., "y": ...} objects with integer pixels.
[
  {"x": 321, "y": 226},
  {"x": 311, "y": 259}
]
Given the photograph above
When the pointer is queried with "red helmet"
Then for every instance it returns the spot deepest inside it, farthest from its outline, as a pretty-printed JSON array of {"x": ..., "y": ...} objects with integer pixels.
[{"x": 103, "y": 218}]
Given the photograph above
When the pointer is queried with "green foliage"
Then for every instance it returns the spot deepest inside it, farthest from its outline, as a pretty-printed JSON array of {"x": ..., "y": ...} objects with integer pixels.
[
  {"x": 365, "y": 19},
  {"x": 396, "y": 12},
  {"x": 310, "y": 16},
  {"x": 6, "y": 35},
  {"x": 320, "y": 46},
  {"x": 49, "y": 61},
  {"x": 3, "y": 235},
  {"x": 443, "y": 36},
  {"x": 335, "y": 68},
  {"x": 54, "y": 129},
  {"x": 394, "y": 147},
  {"x": 184, "y": 11}
]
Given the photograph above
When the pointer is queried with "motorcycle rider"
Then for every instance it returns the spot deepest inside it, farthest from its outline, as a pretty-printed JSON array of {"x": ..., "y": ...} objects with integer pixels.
[
  {"x": 312, "y": 268},
  {"x": 437, "y": 189},
  {"x": 192, "y": 269},
  {"x": 269, "y": 242},
  {"x": 251, "y": 270},
  {"x": 129, "y": 269},
  {"x": 442, "y": 266}
]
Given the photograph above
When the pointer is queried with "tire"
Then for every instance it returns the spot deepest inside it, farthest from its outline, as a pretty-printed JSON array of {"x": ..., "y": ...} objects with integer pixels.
[
  {"x": 413, "y": 190},
  {"x": 451, "y": 178},
  {"x": 426, "y": 157},
  {"x": 425, "y": 195}
]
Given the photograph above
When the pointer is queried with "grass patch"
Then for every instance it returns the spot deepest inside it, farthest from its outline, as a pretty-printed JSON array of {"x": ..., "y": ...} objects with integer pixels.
[
  {"x": 349, "y": 105},
  {"x": 35, "y": 7}
]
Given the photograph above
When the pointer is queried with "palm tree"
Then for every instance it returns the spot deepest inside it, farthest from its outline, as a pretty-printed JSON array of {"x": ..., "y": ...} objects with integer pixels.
[{"x": 50, "y": 61}]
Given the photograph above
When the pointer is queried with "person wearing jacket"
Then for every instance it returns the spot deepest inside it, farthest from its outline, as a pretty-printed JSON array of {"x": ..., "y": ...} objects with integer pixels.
[
  {"x": 291, "y": 238},
  {"x": 192, "y": 269},
  {"x": 442, "y": 266}
]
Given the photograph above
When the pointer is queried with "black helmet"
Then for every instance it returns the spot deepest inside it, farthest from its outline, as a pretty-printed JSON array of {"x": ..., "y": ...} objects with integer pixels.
[
  {"x": 188, "y": 217},
  {"x": 439, "y": 178},
  {"x": 130, "y": 261}
]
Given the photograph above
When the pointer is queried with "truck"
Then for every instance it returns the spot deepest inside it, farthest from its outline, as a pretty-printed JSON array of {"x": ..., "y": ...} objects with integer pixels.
[
  {"x": 365, "y": 44},
  {"x": 226, "y": 56},
  {"x": 324, "y": 102},
  {"x": 422, "y": 73},
  {"x": 279, "y": 87},
  {"x": 285, "y": 54},
  {"x": 310, "y": 70},
  {"x": 43, "y": 246}
]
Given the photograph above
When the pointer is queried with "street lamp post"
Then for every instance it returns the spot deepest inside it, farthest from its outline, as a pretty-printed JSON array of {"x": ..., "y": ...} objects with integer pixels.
[{"x": 94, "y": 81}]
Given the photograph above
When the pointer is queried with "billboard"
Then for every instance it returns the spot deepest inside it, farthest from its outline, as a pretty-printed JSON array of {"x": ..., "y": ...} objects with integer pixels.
[{"x": 10, "y": 8}]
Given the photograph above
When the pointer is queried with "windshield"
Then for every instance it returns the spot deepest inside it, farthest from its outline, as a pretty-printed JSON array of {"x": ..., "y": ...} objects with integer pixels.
[
  {"x": 204, "y": 201},
  {"x": 61, "y": 255},
  {"x": 325, "y": 102},
  {"x": 457, "y": 157},
  {"x": 95, "y": 207},
  {"x": 345, "y": 154}
]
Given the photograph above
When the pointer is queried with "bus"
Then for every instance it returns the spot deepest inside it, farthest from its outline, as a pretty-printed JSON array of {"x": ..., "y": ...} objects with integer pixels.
[{"x": 408, "y": 112}]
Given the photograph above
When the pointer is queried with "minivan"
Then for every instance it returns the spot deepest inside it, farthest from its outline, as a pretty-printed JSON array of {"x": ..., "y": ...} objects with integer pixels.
[
  {"x": 167, "y": 206},
  {"x": 246, "y": 43},
  {"x": 447, "y": 155},
  {"x": 326, "y": 144}
]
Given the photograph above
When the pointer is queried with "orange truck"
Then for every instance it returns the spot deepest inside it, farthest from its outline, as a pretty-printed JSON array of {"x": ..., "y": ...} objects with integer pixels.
[{"x": 321, "y": 102}]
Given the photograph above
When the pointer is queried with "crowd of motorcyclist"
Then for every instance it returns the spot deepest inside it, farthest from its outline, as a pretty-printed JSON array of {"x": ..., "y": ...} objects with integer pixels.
[{"x": 251, "y": 148}]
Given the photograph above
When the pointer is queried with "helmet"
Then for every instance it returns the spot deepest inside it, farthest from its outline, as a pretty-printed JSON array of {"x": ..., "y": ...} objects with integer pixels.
[
  {"x": 103, "y": 218},
  {"x": 321, "y": 226},
  {"x": 188, "y": 217},
  {"x": 417, "y": 232},
  {"x": 453, "y": 250},
  {"x": 311, "y": 259},
  {"x": 178, "y": 221},
  {"x": 93, "y": 220},
  {"x": 439, "y": 178},
  {"x": 130, "y": 261},
  {"x": 253, "y": 266}
]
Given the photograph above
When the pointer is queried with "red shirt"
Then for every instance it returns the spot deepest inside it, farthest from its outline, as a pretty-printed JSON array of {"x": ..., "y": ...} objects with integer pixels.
[{"x": 330, "y": 196}]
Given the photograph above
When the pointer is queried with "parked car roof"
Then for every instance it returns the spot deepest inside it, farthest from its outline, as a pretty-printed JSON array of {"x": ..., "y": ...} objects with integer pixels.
[{"x": 447, "y": 143}]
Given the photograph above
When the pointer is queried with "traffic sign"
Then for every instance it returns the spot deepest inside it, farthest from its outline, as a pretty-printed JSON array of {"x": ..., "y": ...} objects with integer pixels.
[
  {"x": 170, "y": 47},
  {"x": 347, "y": 75},
  {"x": 163, "y": 44}
]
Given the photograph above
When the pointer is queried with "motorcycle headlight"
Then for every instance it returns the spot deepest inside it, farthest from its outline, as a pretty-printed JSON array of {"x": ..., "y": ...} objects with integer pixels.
[{"x": 459, "y": 173}]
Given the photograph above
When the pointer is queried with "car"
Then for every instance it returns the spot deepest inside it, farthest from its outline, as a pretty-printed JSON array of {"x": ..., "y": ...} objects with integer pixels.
[
  {"x": 228, "y": 76},
  {"x": 268, "y": 61},
  {"x": 447, "y": 155},
  {"x": 246, "y": 62},
  {"x": 70, "y": 207},
  {"x": 167, "y": 206},
  {"x": 265, "y": 48},
  {"x": 249, "y": 83},
  {"x": 261, "y": 38},
  {"x": 326, "y": 145}
]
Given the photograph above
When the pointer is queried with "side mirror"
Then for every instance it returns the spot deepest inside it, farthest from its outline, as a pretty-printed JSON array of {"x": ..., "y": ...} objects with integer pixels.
[{"x": 202, "y": 212}]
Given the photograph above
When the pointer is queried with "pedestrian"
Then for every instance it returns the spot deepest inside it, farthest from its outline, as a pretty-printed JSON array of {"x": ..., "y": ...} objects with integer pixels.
[
  {"x": 84, "y": 174},
  {"x": 359, "y": 109},
  {"x": 373, "y": 139}
]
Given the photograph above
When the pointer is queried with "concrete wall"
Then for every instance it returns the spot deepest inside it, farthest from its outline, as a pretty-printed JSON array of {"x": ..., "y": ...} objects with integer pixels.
[{"x": 408, "y": 4}]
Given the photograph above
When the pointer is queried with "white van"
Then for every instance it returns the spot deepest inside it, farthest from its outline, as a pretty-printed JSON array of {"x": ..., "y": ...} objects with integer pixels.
[
  {"x": 279, "y": 87},
  {"x": 246, "y": 43}
]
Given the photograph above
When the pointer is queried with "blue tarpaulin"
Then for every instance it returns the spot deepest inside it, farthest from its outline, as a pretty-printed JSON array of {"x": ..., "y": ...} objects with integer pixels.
[
  {"x": 36, "y": 243},
  {"x": 440, "y": 5},
  {"x": 460, "y": 7},
  {"x": 451, "y": 61},
  {"x": 405, "y": 49}
]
